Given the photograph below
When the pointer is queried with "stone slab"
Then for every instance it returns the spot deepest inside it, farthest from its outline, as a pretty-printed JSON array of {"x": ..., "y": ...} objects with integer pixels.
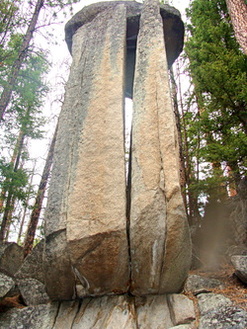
[{"x": 158, "y": 224}]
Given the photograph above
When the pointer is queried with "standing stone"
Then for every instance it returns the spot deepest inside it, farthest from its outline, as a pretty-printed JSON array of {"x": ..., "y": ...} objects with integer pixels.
[
  {"x": 87, "y": 196},
  {"x": 159, "y": 235}
]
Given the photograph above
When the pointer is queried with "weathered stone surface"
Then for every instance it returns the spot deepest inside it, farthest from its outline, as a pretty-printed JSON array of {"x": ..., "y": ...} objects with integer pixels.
[
  {"x": 11, "y": 257},
  {"x": 240, "y": 265},
  {"x": 182, "y": 309},
  {"x": 227, "y": 317},
  {"x": 237, "y": 250},
  {"x": 199, "y": 284},
  {"x": 105, "y": 312},
  {"x": 183, "y": 326},
  {"x": 172, "y": 24},
  {"x": 96, "y": 219},
  {"x": 209, "y": 302},
  {"x": 31, "y": 277},
  {"x": 32, "y": 266},
  {"x": 66, "y": 315},
  {"x": 153, "y": 312},
  {"x": 87, "y": 194},
  {"x": 6, "y": 283},
  {"x": 59, "y": 277},
  {"x": 33, "y": 291},
  {"x": 38, "y": 317},
  {"x": 158, "y": 224}
]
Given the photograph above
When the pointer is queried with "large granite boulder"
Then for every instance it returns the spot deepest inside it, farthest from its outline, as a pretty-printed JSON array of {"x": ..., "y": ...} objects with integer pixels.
[
  {"x": 160, "y": 246},
  {"x": 87, "y": 193},
  {"x": 91, "y": 248}
]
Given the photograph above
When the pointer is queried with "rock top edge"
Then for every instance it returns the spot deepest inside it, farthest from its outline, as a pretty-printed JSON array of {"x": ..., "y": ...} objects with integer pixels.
[{"x": 88, "y": 13}]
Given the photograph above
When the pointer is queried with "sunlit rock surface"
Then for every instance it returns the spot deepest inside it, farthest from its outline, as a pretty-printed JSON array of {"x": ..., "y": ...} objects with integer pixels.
[
  {"x": 159, "y": 234},
  {"x": 108, "y": 312},
  {"x": 92, "y": 247}
]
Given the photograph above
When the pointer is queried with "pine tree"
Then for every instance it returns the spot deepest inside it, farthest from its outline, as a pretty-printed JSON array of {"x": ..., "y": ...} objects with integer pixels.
[
  {"x": 33, "y": 223},
  {"x": 218, "y": 70}
]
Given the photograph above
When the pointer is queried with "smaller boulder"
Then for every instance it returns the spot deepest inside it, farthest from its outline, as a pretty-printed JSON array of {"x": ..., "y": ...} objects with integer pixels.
[
  {"x": 182, "y": 309},
  {"x": 11, "y": 257},
  {"x": 210, "y": 302},
  {"x": 198, "y": 284},
  {"x": 30, "y": 277},
  {"x": 226, "y": 317},
  {"x": 32, "y": 267},
  {"x": 240, "y": 265},
  {"x": 6, "y": 284},
  {"x": 32, "y": 291}
]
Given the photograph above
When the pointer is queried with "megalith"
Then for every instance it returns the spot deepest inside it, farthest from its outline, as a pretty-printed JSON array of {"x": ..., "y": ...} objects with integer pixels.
[
  {"x": 159, "y": 233},
  {"x": 94, "y": 245}
]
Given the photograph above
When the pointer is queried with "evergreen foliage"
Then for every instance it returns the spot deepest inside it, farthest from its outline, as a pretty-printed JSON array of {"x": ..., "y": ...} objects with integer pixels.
[{"x": 216, "y": 120}]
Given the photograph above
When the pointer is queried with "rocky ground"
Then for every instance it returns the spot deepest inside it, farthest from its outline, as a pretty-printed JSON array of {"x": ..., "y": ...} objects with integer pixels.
[
  {"x": 212, "y": 299},
  {"x": 219, "y": 299}
]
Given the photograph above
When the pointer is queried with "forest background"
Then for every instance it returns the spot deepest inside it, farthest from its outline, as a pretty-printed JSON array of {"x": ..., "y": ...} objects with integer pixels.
[{"x": 209, "y": 92}]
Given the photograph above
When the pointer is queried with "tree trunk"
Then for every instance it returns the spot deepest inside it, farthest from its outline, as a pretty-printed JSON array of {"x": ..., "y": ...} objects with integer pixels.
[
  {"x": 180, "y": 142},
  {"x": 10, "y": 201},
  {"x": 238, "y": 13},
  {"x": 7, "y": 91},
  {"x": 26, "y": 206},
  {"x": 32, "y": 226}
]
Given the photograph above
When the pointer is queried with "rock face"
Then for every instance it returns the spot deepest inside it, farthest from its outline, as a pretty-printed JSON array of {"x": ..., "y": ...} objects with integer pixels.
[
  {"x": 93, "y": 185},
  {"x": 159, "y": 236},
  {"x": 172, "y": 26},
  {"x": 92, "y": 247},
  {"x": 218, "y": 311},
  {"x": 108, "y": 312}
]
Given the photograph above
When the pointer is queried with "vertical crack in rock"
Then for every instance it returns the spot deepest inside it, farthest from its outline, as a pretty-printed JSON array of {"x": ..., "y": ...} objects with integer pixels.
[{"x": 56, "y": 315}]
